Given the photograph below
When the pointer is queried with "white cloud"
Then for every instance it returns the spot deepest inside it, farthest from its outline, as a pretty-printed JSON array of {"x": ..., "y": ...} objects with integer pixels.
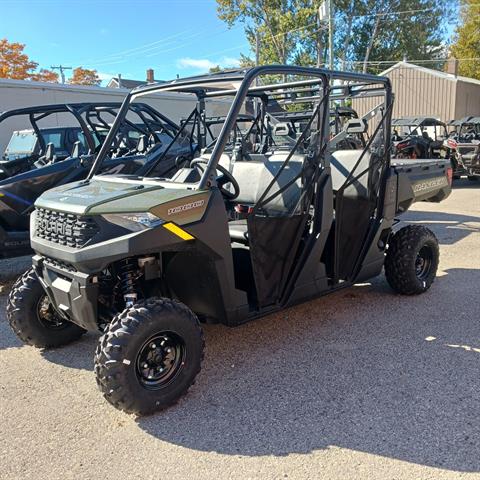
[
  {"x": 229, "y": 62},
  {"x": 204, "y": 64},
  {"x": 106, "y": 76},
  {"x": 197, "y": 63}
]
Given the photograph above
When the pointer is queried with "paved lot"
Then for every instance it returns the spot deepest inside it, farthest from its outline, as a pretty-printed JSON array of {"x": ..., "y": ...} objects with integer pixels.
[{"x": 360, "y": 384}]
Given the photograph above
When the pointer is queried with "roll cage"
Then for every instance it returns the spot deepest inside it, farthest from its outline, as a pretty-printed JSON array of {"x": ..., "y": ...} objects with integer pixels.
[
  {"x": 240, "y": 85},
  {"x": 91, "y": 119}
]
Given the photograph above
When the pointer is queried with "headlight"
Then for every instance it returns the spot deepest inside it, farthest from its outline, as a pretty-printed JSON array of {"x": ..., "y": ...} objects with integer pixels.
[{"x": 134, "y": 221}]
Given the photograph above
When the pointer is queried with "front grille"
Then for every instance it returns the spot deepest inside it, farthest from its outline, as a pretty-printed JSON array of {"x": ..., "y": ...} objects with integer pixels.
[
  {"x": 64, "y": 228},
  {"x": 53, "y": 262}
]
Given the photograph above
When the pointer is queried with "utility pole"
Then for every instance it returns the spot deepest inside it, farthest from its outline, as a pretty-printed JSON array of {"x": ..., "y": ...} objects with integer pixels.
[
  {"x": 62, "y": 69},
  {"x": 319, "y": 39},
  {"x": 330, "y": 33}
]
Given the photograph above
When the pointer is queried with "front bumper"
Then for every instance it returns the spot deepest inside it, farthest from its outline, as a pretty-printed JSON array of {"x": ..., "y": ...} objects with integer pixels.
[{"x": 74, "y": 294}]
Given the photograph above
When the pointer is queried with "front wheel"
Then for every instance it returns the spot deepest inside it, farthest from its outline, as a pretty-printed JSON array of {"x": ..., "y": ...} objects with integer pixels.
[
  {"x": 149, "y": 356},
  {"x": 33, "y": 318},
  {"x": 412, "y": 260}
]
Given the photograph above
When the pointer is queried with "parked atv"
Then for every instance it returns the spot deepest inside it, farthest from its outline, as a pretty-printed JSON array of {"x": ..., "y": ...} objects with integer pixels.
[
  {"x": 25, "y": 147},
  {"x": 243, "y": 229},
  {"x": 463, "y": 145},
  {"x": 146, "y": 139},
  {"x": 418, "y": 137}
]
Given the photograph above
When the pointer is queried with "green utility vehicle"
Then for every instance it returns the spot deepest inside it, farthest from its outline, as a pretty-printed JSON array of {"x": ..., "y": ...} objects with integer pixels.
[{"x": 256, "y": 220}]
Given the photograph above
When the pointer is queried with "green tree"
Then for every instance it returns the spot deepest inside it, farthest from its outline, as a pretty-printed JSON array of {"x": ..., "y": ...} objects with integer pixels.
[
  {"x": 466, "y": 46},
  {"x": 389, "y": 30},
  {"x": 280, "y": 25},
  {"x": 367, "y": 31}
]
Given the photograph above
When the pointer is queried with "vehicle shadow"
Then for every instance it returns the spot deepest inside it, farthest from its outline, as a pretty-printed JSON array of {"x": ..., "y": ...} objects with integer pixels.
[
  {"x": 363, "y": 369},
  {"x": 449, "y": 228},
  {"x": 464, "y": 183}
]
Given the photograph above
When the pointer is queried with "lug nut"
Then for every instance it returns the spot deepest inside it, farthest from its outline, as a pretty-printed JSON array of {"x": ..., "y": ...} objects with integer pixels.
[
  {"x": 153, "y": 345},
  {"x": 146, "y": 365}
]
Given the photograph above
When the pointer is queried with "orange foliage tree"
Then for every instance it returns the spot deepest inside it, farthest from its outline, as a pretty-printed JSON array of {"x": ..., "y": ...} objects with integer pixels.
[
  {"x": 14, "y": 63},
  {"x": 84, "y": 76},
  {"x": 44, "y": 75}
]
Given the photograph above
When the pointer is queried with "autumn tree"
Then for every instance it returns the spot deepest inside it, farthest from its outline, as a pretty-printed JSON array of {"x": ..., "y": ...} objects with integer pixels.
[
  {"x": 44, "y": 75},
  {"x": 84, "y": 76},
  {"x": 16, "y": 64},
  {"x": 466, "y": 46},
  {"x": 13, "y": 62}
]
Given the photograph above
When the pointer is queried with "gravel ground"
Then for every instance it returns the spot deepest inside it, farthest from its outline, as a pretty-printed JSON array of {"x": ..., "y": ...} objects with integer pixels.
[{"x": 360, "y": 384}]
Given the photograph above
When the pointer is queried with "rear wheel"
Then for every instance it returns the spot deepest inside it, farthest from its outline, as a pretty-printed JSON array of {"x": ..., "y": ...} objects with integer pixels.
[
  {"x": 149, "y": 356},
  {"x": 412, "y": 260},
  {"x": 33, "y": 318}
]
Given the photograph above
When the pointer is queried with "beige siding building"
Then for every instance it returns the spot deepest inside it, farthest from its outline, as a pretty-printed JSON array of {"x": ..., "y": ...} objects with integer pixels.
[{"x": 421, "y": 91}]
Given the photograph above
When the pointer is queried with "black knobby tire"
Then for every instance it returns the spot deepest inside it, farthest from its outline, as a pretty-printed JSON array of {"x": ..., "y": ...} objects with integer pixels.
[
  {"x": 33, "y": 318},
  {"x": 412, "y": 260},
  {"x": 136, "y": 333}
]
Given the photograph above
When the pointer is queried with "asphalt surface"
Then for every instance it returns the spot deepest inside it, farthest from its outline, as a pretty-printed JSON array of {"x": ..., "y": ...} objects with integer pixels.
[{"x": 360, "y": 384}]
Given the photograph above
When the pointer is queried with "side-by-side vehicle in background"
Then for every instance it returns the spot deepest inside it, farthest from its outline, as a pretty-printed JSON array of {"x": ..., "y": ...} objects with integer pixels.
[
  {"x": 418, "y": 137},
  {"x": 26, "y": 146},
  {"x": 248, "y": 226},
  {"x": 140, "y": 143},
  {"x": 463, "y": 144}
]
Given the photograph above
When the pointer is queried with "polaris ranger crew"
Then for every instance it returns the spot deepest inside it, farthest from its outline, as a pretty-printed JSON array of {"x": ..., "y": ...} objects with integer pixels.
[{"x": 250, "y": 226}]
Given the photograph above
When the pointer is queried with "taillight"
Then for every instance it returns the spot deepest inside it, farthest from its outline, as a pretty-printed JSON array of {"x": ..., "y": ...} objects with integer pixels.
[{"x": 450, "y": 175}]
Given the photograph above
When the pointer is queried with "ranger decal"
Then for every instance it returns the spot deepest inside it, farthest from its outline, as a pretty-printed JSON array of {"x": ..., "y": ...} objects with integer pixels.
[{"x": 187, "y": 206}]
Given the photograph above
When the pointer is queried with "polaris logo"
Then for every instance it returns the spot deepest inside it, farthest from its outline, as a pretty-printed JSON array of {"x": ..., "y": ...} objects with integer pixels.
[
  {"x": 187, "y": 206},
  {"x": 430, "y": 184},
  {"x": 58, "y": 228}
]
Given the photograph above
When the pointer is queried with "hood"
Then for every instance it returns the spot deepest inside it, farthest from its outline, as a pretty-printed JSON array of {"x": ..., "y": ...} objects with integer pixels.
[{"x": 98, "y": 197}]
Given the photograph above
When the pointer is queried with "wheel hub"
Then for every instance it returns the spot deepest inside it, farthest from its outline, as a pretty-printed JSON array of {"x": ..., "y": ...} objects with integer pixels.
[
  {"x": 160, "y": 359},
  {"x": 423, "y": 262},
  {"x": 48, "y": 316}
]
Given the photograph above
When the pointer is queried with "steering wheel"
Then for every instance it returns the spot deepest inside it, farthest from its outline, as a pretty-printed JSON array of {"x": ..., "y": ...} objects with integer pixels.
[{"x": 222, "y": 180}]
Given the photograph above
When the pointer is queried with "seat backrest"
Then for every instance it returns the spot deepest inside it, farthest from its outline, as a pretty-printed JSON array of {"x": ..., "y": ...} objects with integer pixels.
[
  {"x": 254, "y": 176},
  {"x": 77, "y": 149},
  {"x": 255, "y": 172},
  {"x": 342, "y": 163}
]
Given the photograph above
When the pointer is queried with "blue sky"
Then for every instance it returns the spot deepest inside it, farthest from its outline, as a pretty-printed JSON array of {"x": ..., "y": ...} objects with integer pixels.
[{"x": 182, "y": 37}]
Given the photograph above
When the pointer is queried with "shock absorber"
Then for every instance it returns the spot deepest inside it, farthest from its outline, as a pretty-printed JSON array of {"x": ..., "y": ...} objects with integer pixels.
[{"x": 128, "y": 276}]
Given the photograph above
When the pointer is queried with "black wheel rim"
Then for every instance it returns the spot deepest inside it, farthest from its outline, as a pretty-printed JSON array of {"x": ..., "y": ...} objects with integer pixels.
[
  {"x": 48, "y": 317},
  {"x": 160, "y": 360},
  {"x": 423, "y": 262}
]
